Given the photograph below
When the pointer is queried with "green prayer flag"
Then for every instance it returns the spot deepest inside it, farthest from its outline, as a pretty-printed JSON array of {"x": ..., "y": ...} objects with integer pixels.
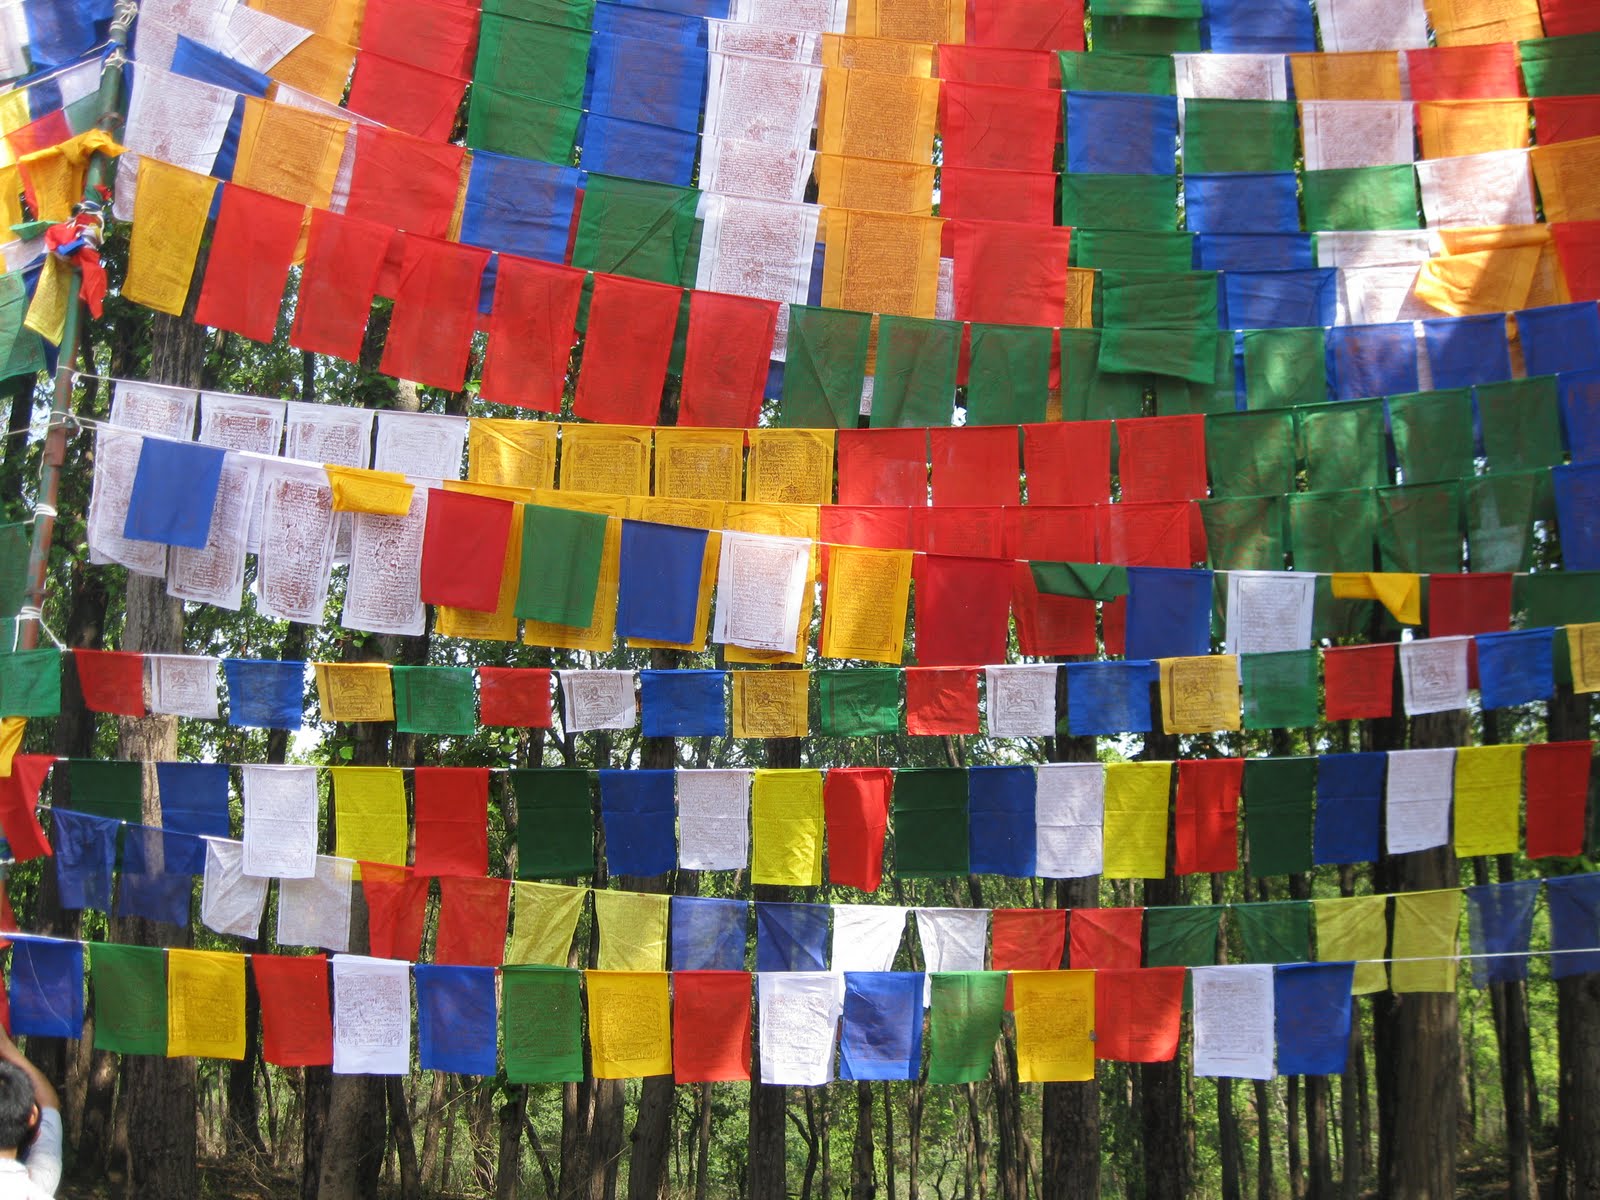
[
  {"x": 21, "y": 350},
  {"x": 860, "y": 701},
  {"x": 1251, "y": 453},
  {"x": 1285, "y": 367},
  {"x": 511, "y": 123},
  {"x": 1146, "y": 35},
  {"x": 14, "y": 544},
  {"x": 964, "y": 1010},
  {"x": 1104, "y": 71},
  {"x": 30, "y": 683},
  {"x": 1361, "y": 198},
  {"x": 1189, "y": 9},
  {"x": 1277, "y": 814},
  {"x": 1500, "y": 512},
  {"x": 1276, "y": 931},
  {"x": 555, "y": 822},
  {"x": 1419, "y": 528},
  {"x": 129, "y": 985},
  {"x": 1189, "y": 354},
  {"x": 1561, "y": 66},
  {"x": 1433, "y": 434},
  {"x": 914, "y": 379},
  {"x": 1119, "y": 201},
  {"x": 1280, "y": 689},
  {"x": 1181, "y": 936},
  {"x": 545, "y": 63},
  {"x": 1245, "y": 533},
  {"x": 1086, "y": 581},
  {"x": 1008, "y": 379},
  {"x": 1342, "y": 445},
  {"x": 1333, "y": 531},
  {"x": 1160, "y": 300},
  {"x": 573, "y": 14},
  {"x": 1132, "y": 250},
  {"x": 107, "y": 788},
  {"x": 636, "y": 227},
  {"x": 1089, "y": 394},
  {"x": 826, "y": 367},
  {"x": 1521, "y": 423},
  {"x": 1228, "y": 136},
  {"x": 541, "y": 1024},
  {"x": 441, "y": 700},
  {"x": 1188, "y": 397},
  {"x": 560, "y": 574},
  {"x": 930, "y": 822},
  {"x": 1556, "y": 598}
]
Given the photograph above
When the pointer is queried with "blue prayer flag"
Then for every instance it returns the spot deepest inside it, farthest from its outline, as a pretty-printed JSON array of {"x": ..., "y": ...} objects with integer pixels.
[
  {"x": 1574, "y": 924},
  {"x": 1517, "y": 667},
  {"x": 639, "y": 150},
  {"x": 1279, "y": 299},
  {"x": 1253, "y": 251},
  {"x": 1578, "y": 515},
  {"x": 1560, "y": 338},
  {"x": 881, "y": 1035},
  {"x": 1312, "y": 1006},
  {"x": 1372, "y": 360},
  {"x": 1259, "y": 26},
  {"x": 651, "y": 24},
  {"x": 456, "y": 1019},
  {"x": 196, "y": 61},
  {"x": 639, "y": 814},
  {"x": 174, "y": 492},
  {"x": 1121, "y": 133},
  {"x": 1500, "y": 921},
  {"x": 1000, "y": 821},
  {"x": 158, "y": 870},
  {"x": 46, "y": 988},
  {"x": 1109, "y": 697},
  {"x": 1465, "y": 351},
  {"x": 1247, "y": 202},
  {"x": 709, "y": 935},
  {"x": 265, "y": 693},
  {"x": 1169, "y": 613},
  {"x": 519, "y": 206},
  {"x": 645, "y": 79},
  {"x": 59, "y": 30},
  {"x": 791, "y": 937},
  {"x": 683, "y": 703},
  {"x": 1350, "y": 791},
  {"x": 194, "y": 798},
  {"x": 1580, "y": 414},
  {"x": 86, "y": 854},
  {"x": 658, "y": 596}
]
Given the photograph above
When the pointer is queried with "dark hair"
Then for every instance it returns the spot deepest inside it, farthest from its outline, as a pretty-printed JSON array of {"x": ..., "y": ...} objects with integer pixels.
[{"x": 16, "y": 1106}]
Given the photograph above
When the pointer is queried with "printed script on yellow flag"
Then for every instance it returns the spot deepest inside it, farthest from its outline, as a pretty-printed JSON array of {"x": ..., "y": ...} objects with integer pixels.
[
  {"x": 769, "y": 704},
  {"x": 912, "y": 20},
  {"x": 370, "y": 808},
  {"x": 1055, "y": 1024},
  {"x": 544, "y": 919},
  {"x": 881, "y": 184},
  {"x": 873, "y": 114},
  {"x": 205, "y": 1004},
  {"x": 161, "y": 250},
  {"x": 1425, "y": 929},
  {"x": 356, "y": 489},
  {"x": 700, "y": 464},
  {"x": 290, "y": 153},
  {"x": 865, "y": 616},
  {"x": 1136, "y": 820},
  {"x": 790, "y": 466},
  {"x": 630, "y": 1023},
  {"x": 613, "y": 460},
  {"x": 1583, "y": 652},
  {"x": 880, "y": 262},
  {"x": 1201, "y": 694},
  {"x": 633, "y": 930},
  {"x": 786, "y": 828},
  {"x": 355, "y": 691},
  {"x": 511, "y": 453},
  {"x": 1353, "y": 929},
  {"x": 1488, "y": 799}
]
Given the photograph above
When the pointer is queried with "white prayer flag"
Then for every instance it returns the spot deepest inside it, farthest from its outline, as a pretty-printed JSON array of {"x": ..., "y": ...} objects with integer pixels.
[
  {"x": 1235, "y": 1031},
  {"x": 116, "y": 462},
  {"x": 1269, "y": 611},
  {"x": 231, "y": 902},
  {"x": 1021, "y": 700},
  {"x": 280, "y": 821},
  {"x": 714, "y": 820},
  {"x": 384, "y": 591},
  {"x": 1434, "y": 674},
  {"x": 1417, "y": 796},
  {"x": 251, "y": 423},
  {"x": 761, "y": 583},
  {"x": 1372, "y": 25},
  {"x": 798, "y": 1015},
  {"x": 295, "y": 557},
  {"x": 184, "y": 685},
  {"x": 170, "y": 117},
  {"x": 598, "y": 700},
  {"x": 371, "y": 1016},
  {"x": 1357, "y": 133},
  {"x": 866, "y": 937},
  {"x": 953, "y": 939},
  {"x": 1069, "y": 817},
  {"x": 761, "y": 99},
  {"x": 1231, "y": 76},
  {"x": 763, "y": 41},
  {"x": 1374, "y": 247},
  {"x": 1381, "y": 295},
  {"x": 821, "y": 16},
  {"x": 758, "y": 248},
  {"x": 427, "y": 445},
  {"x": 328, "y": 433},
  {"x": 315, "y": 911},
  {"x": 758, "y": 170},
  {"x": 1477, "y": 189}
]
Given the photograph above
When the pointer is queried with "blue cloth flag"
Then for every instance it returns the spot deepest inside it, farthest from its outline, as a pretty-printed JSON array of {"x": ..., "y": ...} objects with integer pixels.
[
  {"x": 265, "y": 693},
  {"x": 1560, "y": 338},
  {"x": 59, "y": 30},
  {"x": 1464, "y": 351},
  {"x": 86, "y": 854},
  {"x": 637, "y": 150},
  {"x": 194, "y": 798},
  {"x": 639, "y": 815},
  {"x": 1574, "y": 924},
  {"x": 1577, "y": 491},
  {"x": 456, "y": 1019},
  {"x": 709, "y": 935},
  {"x": 645, "y": 79},
  {"x": 1247, "y": 202},
  {"x": 1169, "y": 613},
  {"x": 683, "y": 703},
  {"x": 1580, "y": 414},
  {"x": 157, "y": 874},
  {"x": 1372, "y": 360},
  {"x": 881, "y": 1035},
  {"x": 1350, "y": 789},
  {"x": 1122, "y": 133},
  {"x": 196, "y": 61},
  {"x": 1259, "y": 26},
  {"x": 1517, "y": 667},
  {"x": 1000, "y": 827},
  {"x": 1253, "y": 251},
  {"x": 174, "y": 491},
  {"x": 519, "y": 206},
  {"x": 1312, "y": 1006},
  {"x": 1279, "y": 299},
  {"x": 46, "y": 988},
  {"x": 791, "y": 937},
  {"x": 1109, "y": 697},
  {"x": 659, "y": 593},
  {"x": 649, "y": 24},
  {"x": 1500, "y": 921}
]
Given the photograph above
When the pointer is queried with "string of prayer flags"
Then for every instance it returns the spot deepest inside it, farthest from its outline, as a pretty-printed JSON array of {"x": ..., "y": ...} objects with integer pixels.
[
  {"x": 787, "y": 818},
  {"x": 1425, "y": 929},
  {"x": 709, "y": 935},
  {"x": 1500, "y": 923},
  {"x": 1557, "y": 785}
]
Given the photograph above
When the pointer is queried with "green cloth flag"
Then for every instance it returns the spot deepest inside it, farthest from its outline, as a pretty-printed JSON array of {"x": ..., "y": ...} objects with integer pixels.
[
  {"x": 930, "y": 822},
  {"x": 555, "y": 822},
  {"x": 1285, "y": 367},
  {"x": 1190, "y": 9},
  {"x": 826, "y": 368},
  {"x": 512, "y": 123},
  {"x": 1009, "y": 375},
  {"x": 1419, "y": 528},
  {"x": 439, "y": 700},
  {"x": 1342, "y": 445},
  {"x": 107, "y": 788},
  {"x": 1277, "y": 814},
  {"x": 544, "y": 63},
  {"x": 1087, "y": 392},
  {"x": 30, "y": 683},
  {"x": 1086, "y": 581},
  {"x": 1228, "y": 136},
  {"x": 129, "y": 984},
  {"x": 1245, "y": 533},
  {"x": 1181, "y": 936},
  {"x": 1119, "y": 201},
  {"x": 561, "y": 555},
  {"x": 860, "y": 701},
  {"x": 914, "y": 380},
  {"x": 1146, "y": 35},
  {"x": 1160, "y": 300},
  {"x": 21, "y": 350},
  {"x": 1333, "y": 531},
  {"x": 573, "y": 14},
  {"x": 637, "y": 228},
  {"x": 1251, "y": 453},
  {"x": 1553, "y": 598},
  {"x": 1500, "y": 512},
  {"x": 1521, "y": 423},
  {"x": 1180, "y": 397},
  {"x": 14, "y": 544},
  {"x": 1276, "y": 931},
  {"x": 541, "y": 1024},
  {"x": 1132, "y": 250},
  {"x": 1280, "y": 689},
  {"x": 1361, "y": 198},
  {"x": 1433, "y": 434},
  {"x": 964, "y": 1012},
  {"x": 1102, "y": 71},
  {"x": 1189, "y": 354},
  {"x": 1561, "y": 66}
]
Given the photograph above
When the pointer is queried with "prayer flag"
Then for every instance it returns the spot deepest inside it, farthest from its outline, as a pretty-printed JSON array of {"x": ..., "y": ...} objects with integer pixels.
[
  {"x": 85, "y": 854},
  {"x": 859, "y": 701},
  {"x": 1312, "y": 1011},
  {"x": 1350, "y": 789},
  {"x": 456, "y": 1019},
  {"x": 931, "y": 822},
  {"x": 514, "y": 696},
  {"x": 660, "y": 581},
  {"x": 174, "y": 493},
  {"x": 1425, "y": 931},
  {"x": 856, "y": 812},
  {"x": 252, "y": 248},
  {"x": 786, "y": 820},
  {"x": 555, "y": 823},
  {"x": 637, "y": 812},
  {"x": 867, "y": 592},
  {"x": 111, "y": 681},
  {"x": 158, "y": 869},
  {"x": 941, "y": 700},
  {"x": 371, "y": 1016},
  {"x": 709, "y": 935},
  {"x": 397, "y": 903},
  {"x": 791, "y": 937},
  {"x": 546, "y": 917},
  {"x": 963, "y": 610},
  {"x": 1138, "y": 1013},
  {"x": 965, "y": 1010},
  {"x": 770, "y": 704},
  {"x": 562, "y": 552},
  {"x": 1358, "y": 681},
  {"x": 1055, "y": 1014},
  {"x": 725, "y": 360},
  {"x": 881, "y": 1036},
  {"x": 161, "y": 254},
  {"x": 265, "y": 694},
  {"x": 371, "y": 808},
  {"x": 46, "y": 992},
  {"x": 205, "y": 1004},
  {"x": 1105, "y": 937},
  {"x": 296, "y": 1021},
  {"x": 1574, "y": 924},
  {"x": 344, "y": 257},
  {"x": 472, "y": 921},
  {"x": 683, "y": 703},
  {"x": 531, "y": 332},
  {"x": 1207, "y": 815},
  {"x": 464, "y": 549},
  {"x": 1233, "y": 1021},
  {"x": 1001, "y": 832},
  {"x": 1278, "y": 796},
  {"x": 1355, "y": 927},
  {"x": 710, "y": 1026},
  {"x": 633, "y": 930},
  {"x": 1500, "y": 921},
  {"x": 1199, "y": 694},
  {"x": 1109, "y": 697},
  {"x": 1280, "y": 689},
  {"x": 1488, "y": 792},
  {"x": 438, "y": 700},
  {"x": 627, "y": 346},
  {"x": 452, "y": 815},
  {"x": 541, "y": 1016},
  {"x": 1136, "y": 819},
  {"x": 1558, "y": 791},
  {"x": 798, "y": 1014}
]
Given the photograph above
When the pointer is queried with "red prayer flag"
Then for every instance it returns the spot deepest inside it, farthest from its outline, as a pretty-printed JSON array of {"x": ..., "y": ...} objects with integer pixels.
[
  {"x": 472, "y": 921},
  {"x": 452, "y": 820},
  {"x": 1001, "y": 63},
  {"x": 941, "y": 700},
  {"x": 1162, "y": 458},
  {"x": 991, "y": 195},
  {"x": 1108, "y": 938},
  {"x": 1468, "y": 604},
  {"x": 252, "y": 246},
  {"x": 1207, "y": 815},
  {"x": 856, "y": 811},
  {"x": 1563, "y": 18},
  {"x": 883, "y": 466},
  {"x": 885, "y": 528},
  {"x": 440, "y": 37},
  {"x": 344, "y": 257},
  {"x": 406, "y": 97},
  {"x": 967, "y": 532},
  {"x": 1008, "y": 273},
  {"x": 1578, "y": 247},
  {"x": 710, "y": 1026},
  {"x": 1034, "y": 24},
  {"x": 963, "y": 606},
  {"x": 435, "y": 312},
  {"x": 19, "y": 800},
  {"x": 1068, "y": 462},
  {"x": 405, "y": 181},
  {"x": 514, "y": 696},
  {"x": 1486, "y": 72},
  {"x": 112, "y": 681},
  {"x": 531, "y": 332},
  {"x": 725, "y": 359},
  {"x": 1050, "y": 533},
  {"x": 39, "y": 134},
  {"x": 1146, "y": 535},
  {"x": 296, "y": 1021},
  {"x": 626, "y": 350},
  {"x": 1137, "y": 1014},
  {"x": 1050, "y": 625},
  {"x": 1358, "y": 681},
  {"x": 464, "y": 549},
  {"x": 5, "y": 1010},
  {"x": 1565, "y": 119},
  {"x": 1027, "y": 939},
  {"x": 397, "y": 902},
  {"x": 975, "y": 465},
  {"x": 985, "y": 125},
  {"x": 1558, "y": 794}
]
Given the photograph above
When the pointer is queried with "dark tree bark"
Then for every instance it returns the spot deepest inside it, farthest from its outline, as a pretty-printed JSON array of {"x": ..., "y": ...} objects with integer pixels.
[
  {"x": 863, "y": 1159},
  {"x": 1161, "y": 1094}
]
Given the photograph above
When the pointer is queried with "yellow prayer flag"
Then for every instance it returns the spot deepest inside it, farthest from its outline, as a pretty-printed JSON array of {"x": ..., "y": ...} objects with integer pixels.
[
  {"x": 879, "y": 184},
  {"x": 370, "y": 814},
  {"x": 1352, "y": 929},
  {"x": 1483, "y": 22},
  {"x": 865, "y": 616},
  {"x": 862, "y": 246},
  {"x": 11, "y": 731},
  {"x": 779, "y": 520},
  {"x": 170, "y": 214},
  {"x": 501, "y": 624},
  {"x": 699, "y": 464},
  {"x": 790, "y": 466},
  {"x": 355, "y": 691},
  {"x": 1425, "y": 928},
  {"x": 288, "y": 152},
  {"x": 319, "y": 65},
  {"x": 1199, "y": 694},
  {"x": 912, "y": 20},
  {"x": 1452, "y": 128},
  {"x": 1566, "y": 172},
  {"x": 1055, "y": 1024},
  {"x": 770, "y": 704},
  {"x": 1078, "y": 312},
  {"x": 630, "y": 1024},
  {"x": 1583, "y": 652},
  {"x": 633, "y": 930},
  {"x": 544, "y": 918},
  {"x": 599, "y": 635},
  {"x": 336, "y": 19},
  {"x": 1549, "y": 285},
  {"x": 786, "y": 828},
  {"x": 356, "y": 489},
  {"x": 1135, "y": 834},
  {"x": 14, "y": 113},
  {"x": 511, "y": 453},
  {"x": 205, "y": 1004},
  {"x": 1352, "y": 75},
  {"x": 47, "y": 311},
  {"x": 889, "y": 56},
  {"x": 610, "y": 459},
  {"x": 1488, "y": 281},
  {"x": 1488, "y": 799},
  {"x": 10, "y": 197},
  {"x": 55, "y": 175},
  {"x": 872, "y": 114},
  {"x": 1400, "y": 593}
]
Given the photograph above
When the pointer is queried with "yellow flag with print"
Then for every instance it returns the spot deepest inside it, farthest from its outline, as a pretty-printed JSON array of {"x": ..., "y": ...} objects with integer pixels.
[
  {"x": 205, "y": 1004},
  {"x": 630, "y": 1023}
]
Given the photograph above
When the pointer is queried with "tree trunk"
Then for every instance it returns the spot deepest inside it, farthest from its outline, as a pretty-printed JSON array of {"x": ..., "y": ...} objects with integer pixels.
[
  {"x": 1227, "y": 1115},
  {"x": 508, "y": 1165},
  {"x": 863, "y": 1160},
  {"x": 404, "y": 1143},
  {"x": 914, "y": 1100},
  {"x": 1161, "y": 1096}
]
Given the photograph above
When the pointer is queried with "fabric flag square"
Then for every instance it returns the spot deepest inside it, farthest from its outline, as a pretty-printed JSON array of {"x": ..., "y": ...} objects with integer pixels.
[
  {"x": 1574, "y": 925},
  {"x": 1105, "y": 937},
  {"x": 19, "y": 797},
  {"x": 881, "y": 1037},
  {"x": 130, "y": 999},
  {"x": 546, "y": 918},
  {"x": 264, "y": 694},
  {"x": 1425, "y": 931},
  {"x": 436, "y": 700},
  {"x": 1433, "y": 673},
  {"x": 597, "y": 700},
  {"x": 786, "y": 819},
  {"x": 1121, "y": 133},
  {"x": 158, "y": 869},
  {"x": 770, "y": 704},
  {"x": 1234, "y": 1015},
  {"x": 1577, "y": 488},
  {"x": 1109, "y": 697},
  {"x": 194, "y": 798},
  {"x": 953, "y": 939},
  {"x": 627, "y": 348},
  {"x": 965, "y": 1011},
  {"x": 231, "y": 901},
  {"x": 660, "y": 581},
  {"x": 1278, "y": 794},
  {"x": 46, "y": 988},
  {"x": 472, "y": 921},
  {"x": 1558, "y": 785},
  {"x": 1199, "y": 694},
  {"x": 1516, "y": 668},
  {"x": 452, "y": 813},
  {"x": 562, "y": 552},
  {"x": 1500, "y": 924},
  {"x": 1001, "y": 832},
  {"x": 280, "y": 821},
  {"x": 370, "y": 803},
  {"x": 865, "y": 614},
  {"x": 253, "y": 245},
  {"x": 1268, "y": 611},
  {"x": 1021, "y": 700},
  {"x": 1169, "y": 613},
  {"x": 1207, "y": 815},
  {"x": 205, "y": 1004},
  {"x": 531, "y": 330},
  {"x": 1355, "y": 927},
  {"x": 637, "y": 812},
  {"x": 174, "y": 492},
  {"x": 1055, "y": 1014},
  {"x": 931, "y": 823},
  {"x": 709, "y": 935},
  {"x": 456, "y": 1019},
  {"x": 1488, "y": 786},
  {"x": 30, "y": 683},
  {"x": 713, "y": 819},
  {"x": 1312, "y": 1012},
  {"x": 963, "y": 610},
  {"x": 1136, "y": 819},
  {"x": 464, "y": 550},
  {"x": 316, "y": 911},
  {"x": 1280, "y": 690},
  {"x": 107, "y": 788},
  {"x": 883, "y": 466},
  {"x": 514, "y": 696},
  {"x": 344, "y": 257},
  {"x": 791, "y": 937},
  {"x": 683, "y": 703},
  {"x": 762, "y": 590},
  {"x": 1069, "y": 811},
  {"x": 856, "y": 814},
  {"x": 798, "y": 1016},
  {"x": 866, "y": 937},
  {"x": 710, "y": 1026},
  {"x": 397, "y": 903},
  {"x": 825, "y": 367},
  {"x": 1138, "y": 1013},
  {"x": 555, "y": 823},
  {"x": 1358, "y": 682},
  {"x": 725, "y": 359},
  {"x": 633, "y": 930},
  {"x": 371, "y": 1016},
  {"x": 1418, "y": 797},
  {"x": 1468, "y": 604},
  {"x": 111, "y": 681},
  {"x": 350, "y": 692},
  {"x": 859, "y": 701},
  {"x": 1273, "y": 932},
  {"x": 1350, "y": 791},
  {"x": 541, "y": 1015},
  {"x": 85, "y": 854}
]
